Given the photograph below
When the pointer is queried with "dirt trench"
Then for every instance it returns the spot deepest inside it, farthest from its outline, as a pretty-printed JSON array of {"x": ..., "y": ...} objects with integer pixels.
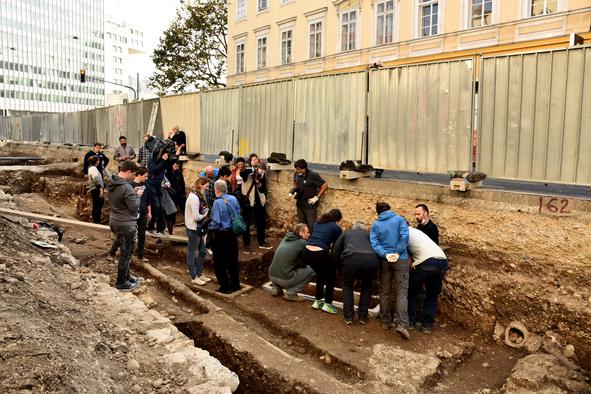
[{"x": 480, "y": 291}]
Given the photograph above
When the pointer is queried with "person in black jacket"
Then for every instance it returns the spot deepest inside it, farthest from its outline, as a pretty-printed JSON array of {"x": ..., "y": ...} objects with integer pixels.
[
  {"x": 359, "y": 263},
  {"x": 102, "y": 162},
  {"x": 308, "y": 188},
  {"x": 176, "y": 191},
  {"x": 254, "y": 189},
  {"x": 158, "y": 165},
  {"x": 425, "y": 224}
]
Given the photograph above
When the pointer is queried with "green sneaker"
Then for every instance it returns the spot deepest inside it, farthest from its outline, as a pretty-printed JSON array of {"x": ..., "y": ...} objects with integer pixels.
[
  {"x": 328, "y": 308},
  {"x": 317, "y": 304}
]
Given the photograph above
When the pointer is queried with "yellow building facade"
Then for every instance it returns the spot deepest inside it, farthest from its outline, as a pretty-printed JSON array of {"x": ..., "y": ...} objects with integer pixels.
[{"x": 272, "y": 39}]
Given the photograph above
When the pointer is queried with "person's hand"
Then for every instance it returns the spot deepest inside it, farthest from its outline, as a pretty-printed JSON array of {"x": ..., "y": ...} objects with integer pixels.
[
  {"x": 313, "y": 200},
  {"x": 178, "y": 151},
  {"x": 149, "y": 216},
  {"x": 139, "y": 190},
  {"x": 165, "y": 156},
  {"x": 392, "y": 257},
  {"x": 102, "y": 193}
]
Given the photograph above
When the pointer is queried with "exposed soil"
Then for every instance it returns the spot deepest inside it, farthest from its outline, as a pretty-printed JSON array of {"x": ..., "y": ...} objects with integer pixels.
[{"x": 504, "y": 265}]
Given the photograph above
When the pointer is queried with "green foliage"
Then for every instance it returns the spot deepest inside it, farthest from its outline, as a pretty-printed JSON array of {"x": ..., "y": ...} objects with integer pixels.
[{"x": 192, "y": 52}]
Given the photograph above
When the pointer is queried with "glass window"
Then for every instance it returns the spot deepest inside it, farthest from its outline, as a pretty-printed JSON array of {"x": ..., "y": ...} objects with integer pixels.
[
  {"x": 481, "y": 13},
  {"x": 241, "y": 9},
  {"x": 543, "y": 7},
  {"x": 428, "y": 17},
  {"x": 239, "y": 58},
  {"x": 384, "y": 22},
  {"x": 262, "y": 52},
  {"x": 348, "y": 31},
  {"x": 286, "y": 46},
  {"x": 263, "y": 5},
  {"x": 315, "y": 32}
]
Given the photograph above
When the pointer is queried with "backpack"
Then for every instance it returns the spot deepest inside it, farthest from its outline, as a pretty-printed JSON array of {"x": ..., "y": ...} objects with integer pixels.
[{"x": 238, "y": 224}]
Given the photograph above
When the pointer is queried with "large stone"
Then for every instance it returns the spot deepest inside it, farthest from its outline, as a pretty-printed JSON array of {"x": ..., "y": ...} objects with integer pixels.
[
  {"x": 163, "y": 335},
  {"x": 397, "y": 370},
  {"x": 545, "y": 373}
]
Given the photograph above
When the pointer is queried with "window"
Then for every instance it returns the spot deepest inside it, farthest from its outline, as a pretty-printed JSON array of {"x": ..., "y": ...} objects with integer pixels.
[
  {"x": 348, "y": 31},
  {"x": 315, "y": 32},
  {"x": 384, "y": 22},
  {"x": 240, "y": 58},
  {"x": 481, "y": 13},
  {"x": 240, "y": 9},
  {"x": 543, "y": 7},
  {"x": 286, "y": 45},
  {"x": 262, "y": 52},
  {"x": 262, "y": 5},
  {"x": 428, "y": 17}
]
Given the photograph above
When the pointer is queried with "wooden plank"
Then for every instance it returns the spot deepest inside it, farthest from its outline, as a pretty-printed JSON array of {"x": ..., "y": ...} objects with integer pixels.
[{"x": 79, "y": 223}]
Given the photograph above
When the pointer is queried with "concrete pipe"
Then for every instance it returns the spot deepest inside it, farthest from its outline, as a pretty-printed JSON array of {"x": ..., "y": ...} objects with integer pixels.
[{"x": 516, "y": 334}]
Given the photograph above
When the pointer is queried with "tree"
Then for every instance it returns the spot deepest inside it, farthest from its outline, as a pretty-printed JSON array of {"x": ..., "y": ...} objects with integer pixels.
[{"x": 192, "y": 52}]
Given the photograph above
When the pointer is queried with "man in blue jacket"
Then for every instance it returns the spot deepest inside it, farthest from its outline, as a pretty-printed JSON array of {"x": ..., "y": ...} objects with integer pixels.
[{"x": 389, "y": 239}]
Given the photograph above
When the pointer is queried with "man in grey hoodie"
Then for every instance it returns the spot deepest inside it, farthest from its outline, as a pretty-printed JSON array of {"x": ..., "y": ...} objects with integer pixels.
[{"x": 125, "y": 203}]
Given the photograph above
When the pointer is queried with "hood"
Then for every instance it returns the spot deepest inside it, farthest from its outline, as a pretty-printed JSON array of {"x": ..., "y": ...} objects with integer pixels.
[
  {"x": 115, "y": 181},
  {"x": 386, "y": 215},
  {"x": 292, "y": 237}
]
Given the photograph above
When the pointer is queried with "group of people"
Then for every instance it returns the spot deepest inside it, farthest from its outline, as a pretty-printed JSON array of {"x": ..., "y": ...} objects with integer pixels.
[{"x": 407, "y": 258}]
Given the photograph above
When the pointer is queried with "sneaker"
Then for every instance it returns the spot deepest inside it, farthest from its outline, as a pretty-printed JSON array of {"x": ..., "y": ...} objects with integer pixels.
[
  {"x": 426, "y": 330},
  {"x": 328, "y": 308},
  {"x": 275, "y": 292},
  {"x": 363, "y": 322},
  {"x": 418, "y": 325},
  {"x": 386, "y": 326},
  {"x": 349, "y": 322},
  {"x": 205, "y": 278},
  {"x": 198, "y": 281},
  {"x": 153, "y": 233},
  {"x": 135, "y": 279},
  {"x": 317, "y": 304},
  {"x": 265, "y": 246},
  {"x": 209, "y": 252},
  {"x": 246, "y": 250},
  {"x": 403, "y": 332},
  {"x": 292, "y": 297},
  {"x": 127, "y": 286}
]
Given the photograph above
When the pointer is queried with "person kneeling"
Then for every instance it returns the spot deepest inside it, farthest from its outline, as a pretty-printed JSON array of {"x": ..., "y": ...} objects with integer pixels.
[{"x": 284, "y": 272}]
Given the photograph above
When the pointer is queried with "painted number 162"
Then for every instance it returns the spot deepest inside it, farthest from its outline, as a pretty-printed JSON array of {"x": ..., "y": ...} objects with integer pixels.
[{"x": 553, "y": 205}]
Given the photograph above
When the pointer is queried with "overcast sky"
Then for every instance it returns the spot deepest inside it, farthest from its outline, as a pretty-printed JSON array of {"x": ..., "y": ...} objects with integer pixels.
[{"x": 150, "y": 16}]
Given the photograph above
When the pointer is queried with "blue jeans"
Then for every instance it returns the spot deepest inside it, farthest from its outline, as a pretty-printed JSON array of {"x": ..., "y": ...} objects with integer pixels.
[
  {"x": 195, "y": 245},
  {"x": 429, "y": 273}
]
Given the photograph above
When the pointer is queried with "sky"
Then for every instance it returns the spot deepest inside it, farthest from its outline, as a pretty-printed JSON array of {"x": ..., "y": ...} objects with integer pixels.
[{"x": 150, "y": 16}]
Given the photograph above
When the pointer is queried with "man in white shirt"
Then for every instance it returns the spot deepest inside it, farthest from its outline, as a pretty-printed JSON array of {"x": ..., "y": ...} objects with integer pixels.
[{"x": 429, "y": 266}]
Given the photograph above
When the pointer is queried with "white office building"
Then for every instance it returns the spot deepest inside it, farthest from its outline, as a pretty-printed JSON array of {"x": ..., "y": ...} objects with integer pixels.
[
  {"x": 122, "y": 41},
  {"x": 43, "y": 46}
]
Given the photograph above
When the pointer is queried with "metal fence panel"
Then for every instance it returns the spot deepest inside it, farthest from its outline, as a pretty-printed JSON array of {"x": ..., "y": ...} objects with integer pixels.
[
  {"x": 532, "y": 120},
  {"x": 420, "y": 117},
  {"x": 330, "y": 118},
  {"x": 183, "y": 111},
  {"x": 71, "y": 124},
  {"x": 148, "y": 107},
  {"x": 17, "y": 128},
  {"x": 135, "y": 124},
  {"x": 220, "y": 112},
  {"x": 5, "y": 128},
  {"x": 266, "y": 119}
]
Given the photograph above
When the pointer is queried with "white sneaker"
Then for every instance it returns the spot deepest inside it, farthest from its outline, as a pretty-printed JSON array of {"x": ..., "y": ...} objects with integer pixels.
[
  {"x": 198, "y": 281},
  {"x": 209, "y": 252},
  {"x": 204, "y": 278}
]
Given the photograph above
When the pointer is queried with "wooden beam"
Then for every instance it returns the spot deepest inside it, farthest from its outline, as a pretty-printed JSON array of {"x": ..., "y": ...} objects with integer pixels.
[{"x": 79, "y": 223}]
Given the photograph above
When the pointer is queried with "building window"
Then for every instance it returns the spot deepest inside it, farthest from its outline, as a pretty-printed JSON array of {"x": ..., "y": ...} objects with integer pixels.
[
  {"x": 286, "y": 45},
  {"x": 262, "y": 5},
  {"x": 384, "y": 22},
  {"x": 543, "y": 7},
  {"x": 428, "y": 17},
  {"x": 262, "y": 52},
  {"x": 240, "y": 58},
  {"x": 315, "y": 31},
  {"x": 481, "y": 13},
  {"x": 348, "y": 31},
  {"x": 240, "y": 9}
]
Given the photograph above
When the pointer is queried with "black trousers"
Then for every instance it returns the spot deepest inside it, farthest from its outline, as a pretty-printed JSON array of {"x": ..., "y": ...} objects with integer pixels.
[
  {"x": 326, "y": 273},
  {"x": 225, "y": 260},
  {"x": 357, "y": 270},
  {"x": 260, "y": 217},
  {"x": 308, "y": 216},
  {"x": 97, "y": 205}
]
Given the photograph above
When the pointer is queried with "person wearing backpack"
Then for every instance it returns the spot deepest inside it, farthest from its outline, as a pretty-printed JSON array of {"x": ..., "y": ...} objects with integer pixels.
[{"x": 224, "y": 228}]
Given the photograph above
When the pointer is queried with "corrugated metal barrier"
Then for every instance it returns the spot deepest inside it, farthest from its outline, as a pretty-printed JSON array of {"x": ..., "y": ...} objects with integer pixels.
[
  {"x": 535, "y": 121},
  {"x": 220, "y": 113},
  {"x": 330, "y": 117},
  {"x": 183, "y": 111},
  {"x": 420, "y": 117}
]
